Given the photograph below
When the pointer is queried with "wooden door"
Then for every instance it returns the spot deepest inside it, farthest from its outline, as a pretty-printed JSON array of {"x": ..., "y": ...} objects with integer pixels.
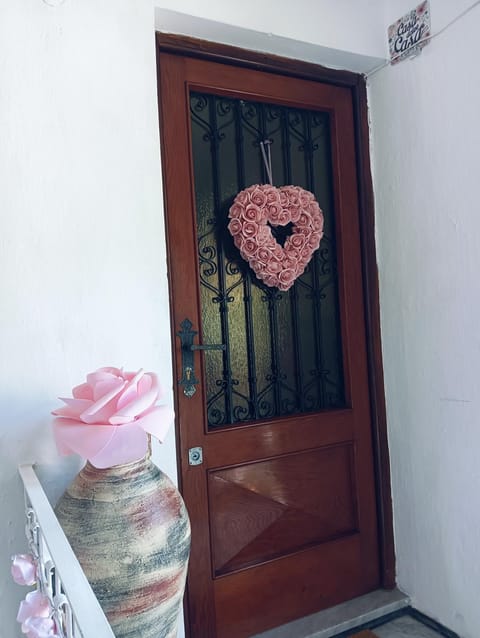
[{"x": 283, "y": 503}]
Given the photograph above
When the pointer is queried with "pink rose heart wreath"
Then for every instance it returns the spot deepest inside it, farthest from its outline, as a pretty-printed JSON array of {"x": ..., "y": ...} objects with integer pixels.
[{"x": 255, "y": 210}]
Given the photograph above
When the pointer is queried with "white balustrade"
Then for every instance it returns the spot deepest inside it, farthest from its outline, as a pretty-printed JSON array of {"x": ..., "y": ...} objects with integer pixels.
[{"x": 76, "y": 610}]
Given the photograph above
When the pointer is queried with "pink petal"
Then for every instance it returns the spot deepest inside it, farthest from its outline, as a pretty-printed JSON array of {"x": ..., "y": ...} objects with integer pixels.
[
  {"x": 35, "y": 604},
  {"x": 23, "y": 569},
  {"x": 92, "y": 414},
  {"x": 131, "y": 389},
  {"x": 39, "y": 627},
  {"x": 139, "y": 405},
  {"x": 103, "y": 374},
  {"x": 85, "y": 440},
  {"x": 129, "y": 443},
  {"x": 103, "y": 388},
  {"x": 74, "y": 407},
  {"x": 82, "y": 391},
  {"x": 157, "y": 421}
]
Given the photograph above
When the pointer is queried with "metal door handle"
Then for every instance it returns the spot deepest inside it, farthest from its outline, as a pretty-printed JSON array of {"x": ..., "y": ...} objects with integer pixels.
[{"x": 186, "y": 334}]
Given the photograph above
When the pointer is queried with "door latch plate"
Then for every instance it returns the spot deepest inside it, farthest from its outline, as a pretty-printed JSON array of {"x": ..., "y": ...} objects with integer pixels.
[{"x": 195, "y": 456}]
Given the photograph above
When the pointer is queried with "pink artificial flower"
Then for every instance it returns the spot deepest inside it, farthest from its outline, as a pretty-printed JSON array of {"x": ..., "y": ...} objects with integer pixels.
[
  {"x": 284, "y": 218},
  {"x": 253, "y": 213},
  {"x": 258, "y": 196},
  {"x": 250, "y": 229},
  {"x": 24, "y": 569},
  {"x": 273, "y": 267},
  {"x": 36, "y": 627},
  {"x": 109, "y": 417},
  {"x": 286, "y": 278},
  {"x": 243, "y": 197},
  {"x": 236, "y": 210},
  {"x": 235, "y": 226},
  {"x": 297, "y": 241},
  {"x": 35, "y": 604}
]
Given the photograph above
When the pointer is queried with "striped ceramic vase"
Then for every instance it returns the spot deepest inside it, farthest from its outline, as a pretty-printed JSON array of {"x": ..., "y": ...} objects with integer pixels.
[{"x": 130, "y": 530}]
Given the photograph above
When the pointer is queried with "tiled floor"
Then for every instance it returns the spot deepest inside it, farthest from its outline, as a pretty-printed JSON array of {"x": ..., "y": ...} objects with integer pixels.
[{"x": 405, "y": 627}]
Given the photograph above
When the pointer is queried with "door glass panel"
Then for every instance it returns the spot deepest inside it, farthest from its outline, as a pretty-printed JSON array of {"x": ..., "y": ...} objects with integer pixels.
[{"x": 283, "y": 349}]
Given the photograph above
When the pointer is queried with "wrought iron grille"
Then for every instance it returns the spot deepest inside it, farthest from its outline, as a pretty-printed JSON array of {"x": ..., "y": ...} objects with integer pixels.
[{"x": 283, "y": 350}]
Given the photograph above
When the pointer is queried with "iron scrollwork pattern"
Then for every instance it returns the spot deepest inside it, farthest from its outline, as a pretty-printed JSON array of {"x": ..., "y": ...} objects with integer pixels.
[{"x": 283, "y": 352}]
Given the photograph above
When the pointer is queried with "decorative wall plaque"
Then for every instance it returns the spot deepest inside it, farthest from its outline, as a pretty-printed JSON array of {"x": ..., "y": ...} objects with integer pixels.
[{"x": 406, "y": 36}]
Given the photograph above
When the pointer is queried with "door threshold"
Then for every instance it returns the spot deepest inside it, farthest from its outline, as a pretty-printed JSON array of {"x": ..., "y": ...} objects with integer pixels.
[{"x": 343, "y": 617}]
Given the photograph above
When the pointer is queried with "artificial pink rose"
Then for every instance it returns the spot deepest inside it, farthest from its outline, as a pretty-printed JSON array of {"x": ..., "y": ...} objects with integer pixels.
[
  {"x": 109, "y": 417},
  {"x": 317, "y": 221},
  {"x": 284, "y": 199},
  {"x": 253, "y": 213},
  {"x": 283, "y": 218},
  {"x": 236, "y": 210},
  {"x": 292, "y": 194},
  {"x": 235, "y": 226},
  {"x": 250, "y": 229},
  {"x": 297, "y": 241},
  {"x": 289, "y": 263},
  {"x": 314, "y": 240},
  {"x": 263, "y": 254},
  {"x": 36, "y": 627},
  {"x": 243, "y": 197},
  {"x": 291, "y": 253},
  {"x": 273, "y": 267},
  {"x": 273, "y": 195},
  {"x": 274, "y": 212},
  {"x": 264, "y": 236},
  {"x": 258, "y": 197},
  {"x": 294, "y": 212},
  {"x": 24, "y": 569},
  {"x": 35, "y": 604},
  {"x": 286, "y": 278},
  {"x": 305, "y": 198},
  {"x": 278, "y": 252},
  {"x": 303, "y": 220},
  {"x": 270, "y": 280},
  {"x": 248, "y": 248}
]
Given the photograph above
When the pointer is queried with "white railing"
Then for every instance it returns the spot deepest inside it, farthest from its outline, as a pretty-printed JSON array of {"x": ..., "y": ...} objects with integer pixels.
[{"x": 76, "y": 610}]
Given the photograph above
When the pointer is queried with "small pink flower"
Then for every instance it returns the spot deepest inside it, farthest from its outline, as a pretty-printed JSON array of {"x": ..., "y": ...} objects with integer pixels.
[
  {"x": 298, "y": 241},
  {"x": 273, "y": 196},
  {"x": 253, "y": 213},
  {"x": 250, "y": 229},
  {"x": 243, "y": 197},
  {"x": 236, "y": 210},
  {"x": 35, "y": 604},
  {"x": 36, "y": 627},
  {"x": 263, "y": 254},
  {"x": 286, "y": 278},
  {"x": 235, "y": 226},
  {"x": 303, "y": 220},
  {"x": 284, "y": 218},
  {"x": 258, "y": 196},
  {"x": 248, "y": 248},
  {"x": 294, "y": 212},
  {"x": 273, "y": 267},
  {"x": 24, "y": 569}
]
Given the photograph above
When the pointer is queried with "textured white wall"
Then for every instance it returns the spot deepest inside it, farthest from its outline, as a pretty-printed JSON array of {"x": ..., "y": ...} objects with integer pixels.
[
  {"x": 426, "y": 136},
  {"x": 82, "y": 250}
]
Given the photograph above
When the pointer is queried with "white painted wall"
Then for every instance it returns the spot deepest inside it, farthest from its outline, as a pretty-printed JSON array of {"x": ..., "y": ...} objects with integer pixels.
[
  {"x": 426, "y": 140},
  {"x": 82, "y": 250}
]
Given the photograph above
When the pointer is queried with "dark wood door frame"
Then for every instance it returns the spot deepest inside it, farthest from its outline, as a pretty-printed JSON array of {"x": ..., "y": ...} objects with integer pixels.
[{"x": 191, "y": 47}]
